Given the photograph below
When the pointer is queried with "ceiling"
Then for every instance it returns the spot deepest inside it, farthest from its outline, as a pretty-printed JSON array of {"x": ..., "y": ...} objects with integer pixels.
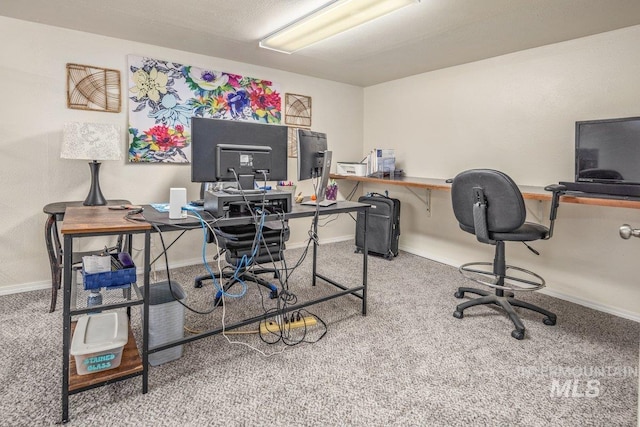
[{"x": 430, "y": 35}]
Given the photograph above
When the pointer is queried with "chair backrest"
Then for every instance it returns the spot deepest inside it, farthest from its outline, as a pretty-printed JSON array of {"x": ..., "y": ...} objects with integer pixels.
[{"x": 505, "y": 209}]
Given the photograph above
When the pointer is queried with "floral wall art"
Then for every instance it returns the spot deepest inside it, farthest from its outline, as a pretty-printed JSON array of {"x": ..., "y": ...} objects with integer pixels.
[{"x": 163, "y": 96}]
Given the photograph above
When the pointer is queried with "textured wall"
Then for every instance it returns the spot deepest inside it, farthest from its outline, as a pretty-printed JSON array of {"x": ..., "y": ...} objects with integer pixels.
[
  {"x": 517, "y": 113},
  {"x": 33, "y": 84}
]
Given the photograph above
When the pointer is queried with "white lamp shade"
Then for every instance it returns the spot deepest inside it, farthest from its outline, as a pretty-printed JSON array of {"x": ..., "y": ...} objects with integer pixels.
[{"x": 91, "y": 141}]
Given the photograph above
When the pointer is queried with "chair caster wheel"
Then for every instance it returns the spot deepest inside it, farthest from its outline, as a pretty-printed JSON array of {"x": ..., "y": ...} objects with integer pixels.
[
  {"x": 549, "y": 321},
  {"x": 273, "y": 295},
  {"x": 197, "y": 284},
  {"x": 519, "y": 335},
  {"x": 458, "y": 314},
  {"x": 459, "y": 294}
]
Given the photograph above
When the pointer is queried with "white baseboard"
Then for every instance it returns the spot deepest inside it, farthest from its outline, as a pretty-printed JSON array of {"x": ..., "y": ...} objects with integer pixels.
[
  {"x": 24, "y": 287},
  {"x": 36, "y": 286},
  {"x": 594, "y": 305},
  {"x": 565, "y": 297}
]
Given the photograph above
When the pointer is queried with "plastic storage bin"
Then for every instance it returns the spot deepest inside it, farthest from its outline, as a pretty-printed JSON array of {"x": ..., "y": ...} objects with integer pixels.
[
  {"x": 120, "y": 278},
  {"x": 166, "y": 320},
  {"x": 98, "y": 341}
]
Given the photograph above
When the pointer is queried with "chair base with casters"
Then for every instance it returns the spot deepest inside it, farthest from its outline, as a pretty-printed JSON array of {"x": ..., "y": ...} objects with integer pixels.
[
  {"x": 245, "y": 275},
  {"x": 237, "y": 242},
  {"x": 504, "y": 295},
  {"x": 488, "y": 204}
]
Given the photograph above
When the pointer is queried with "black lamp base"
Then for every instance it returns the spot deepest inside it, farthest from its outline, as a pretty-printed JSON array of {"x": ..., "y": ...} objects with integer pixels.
[{"x": 95, "y": 197}]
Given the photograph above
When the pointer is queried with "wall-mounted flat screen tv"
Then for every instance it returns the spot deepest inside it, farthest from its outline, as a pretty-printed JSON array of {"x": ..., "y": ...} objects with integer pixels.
[{"x": 608, "y": 151}]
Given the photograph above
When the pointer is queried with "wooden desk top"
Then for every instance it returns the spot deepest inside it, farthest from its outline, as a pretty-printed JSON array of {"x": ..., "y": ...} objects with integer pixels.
[
  {"x": 405, "y": 181},
  {"x": 59, "y": 208},
  {"x": 99, "y": 219},
  {"x": 528, "y": 191}
]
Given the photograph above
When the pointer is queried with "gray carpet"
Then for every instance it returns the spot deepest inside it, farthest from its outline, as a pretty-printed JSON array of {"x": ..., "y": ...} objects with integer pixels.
[{"x": 408, "y": 362}]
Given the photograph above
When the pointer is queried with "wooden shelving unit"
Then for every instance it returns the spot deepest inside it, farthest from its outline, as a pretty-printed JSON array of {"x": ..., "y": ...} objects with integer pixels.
[{"x": 93, "y": 221}]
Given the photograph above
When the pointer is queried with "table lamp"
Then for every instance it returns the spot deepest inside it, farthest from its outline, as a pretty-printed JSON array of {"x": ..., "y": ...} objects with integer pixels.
[{"x": 95, "y": 142}]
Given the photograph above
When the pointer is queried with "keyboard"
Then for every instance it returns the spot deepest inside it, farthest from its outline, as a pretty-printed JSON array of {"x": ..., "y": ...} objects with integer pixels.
[{"x": 620, "y": 191}]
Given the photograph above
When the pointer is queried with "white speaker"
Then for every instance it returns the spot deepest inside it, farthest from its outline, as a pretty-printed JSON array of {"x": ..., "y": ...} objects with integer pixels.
[{"x": 177, "y": 199}]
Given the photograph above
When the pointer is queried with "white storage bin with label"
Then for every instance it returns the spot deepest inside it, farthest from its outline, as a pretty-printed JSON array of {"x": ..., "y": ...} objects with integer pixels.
[{"x": 98, "y": 341}]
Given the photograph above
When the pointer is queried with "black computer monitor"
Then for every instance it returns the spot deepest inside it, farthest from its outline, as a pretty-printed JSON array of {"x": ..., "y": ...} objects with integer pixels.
[
  {"x": 314, "y": 162},
  {"x": 608, "y": 151},
  {"x": 311, "y": 148},
  {"x": 250, "y": 149},
  {"x": 242, "y": 163}
]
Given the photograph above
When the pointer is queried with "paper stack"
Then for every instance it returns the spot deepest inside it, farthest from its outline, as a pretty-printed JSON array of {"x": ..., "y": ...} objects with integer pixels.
[{"x": 381, "y": 162}]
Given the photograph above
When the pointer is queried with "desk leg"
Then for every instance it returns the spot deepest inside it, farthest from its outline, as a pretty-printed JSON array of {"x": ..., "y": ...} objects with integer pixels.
[
  {"x": 315, "y": 249},
  {"x": 66, "y": 327},
  {"x": 365, "y": 258},
  {"x": 145, "y": 312},
  {"x": 55, "y": 257}
]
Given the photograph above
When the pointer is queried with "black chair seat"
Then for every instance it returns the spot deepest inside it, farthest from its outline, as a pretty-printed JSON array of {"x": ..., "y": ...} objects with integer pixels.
[{"x": 527, "y": 232}]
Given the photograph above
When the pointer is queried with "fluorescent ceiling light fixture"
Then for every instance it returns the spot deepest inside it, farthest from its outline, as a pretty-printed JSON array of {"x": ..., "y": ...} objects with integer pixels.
[{"x": 332, "y": 19}]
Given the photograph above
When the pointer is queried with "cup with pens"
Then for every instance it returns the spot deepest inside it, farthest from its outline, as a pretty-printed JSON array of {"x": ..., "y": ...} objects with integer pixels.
[
  {"x": 332, "y": 190},
  {"x": 287, "y": 186}
]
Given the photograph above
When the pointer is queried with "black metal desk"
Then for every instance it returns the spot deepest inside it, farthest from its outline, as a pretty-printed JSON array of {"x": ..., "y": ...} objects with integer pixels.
[
  {"x": 299, "y": 211},
  {"x": 55, "y": 212},
  {"x": 99, "y": 221}
]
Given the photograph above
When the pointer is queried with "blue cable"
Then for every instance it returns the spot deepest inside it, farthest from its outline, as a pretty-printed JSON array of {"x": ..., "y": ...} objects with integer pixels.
[{"x": 220, "y": 289}]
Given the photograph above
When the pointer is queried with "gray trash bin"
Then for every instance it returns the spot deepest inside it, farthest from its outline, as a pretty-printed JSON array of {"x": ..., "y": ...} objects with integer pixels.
[{"x": 166, "y": 320}]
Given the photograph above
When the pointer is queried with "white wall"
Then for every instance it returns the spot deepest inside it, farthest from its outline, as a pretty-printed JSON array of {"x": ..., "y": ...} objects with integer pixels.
[
  {"x": 514, "y": 113},
  {"x": 517, "y": 113},
  {"x": 33, "y": 88}
]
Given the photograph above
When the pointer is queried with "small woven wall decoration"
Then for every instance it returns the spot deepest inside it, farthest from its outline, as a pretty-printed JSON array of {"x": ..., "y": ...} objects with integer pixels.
[
  {"x": 93, "y": 88},
  {"x": 292, "y": 141},
  {"x": 298, "y": 110}
]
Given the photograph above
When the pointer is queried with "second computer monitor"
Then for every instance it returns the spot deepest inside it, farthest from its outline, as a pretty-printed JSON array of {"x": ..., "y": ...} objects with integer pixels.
[
  {"x": 311, "y": 148},
  {"x": 314, "y": 161}
]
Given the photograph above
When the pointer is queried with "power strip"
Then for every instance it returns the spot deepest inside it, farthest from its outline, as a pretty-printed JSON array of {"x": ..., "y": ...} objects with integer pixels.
[{"x": 274, "y": 327}]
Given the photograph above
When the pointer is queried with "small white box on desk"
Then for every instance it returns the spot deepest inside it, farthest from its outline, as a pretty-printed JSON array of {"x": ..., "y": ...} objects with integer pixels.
[
  {"x": 351, "y": 168},
  {"x": 177, "y": 199}
]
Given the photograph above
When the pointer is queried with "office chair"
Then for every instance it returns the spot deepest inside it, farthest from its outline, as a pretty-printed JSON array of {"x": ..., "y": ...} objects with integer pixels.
[
  {"x": 488, "y": 204},
  {"x": 238, "y": 242}
]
